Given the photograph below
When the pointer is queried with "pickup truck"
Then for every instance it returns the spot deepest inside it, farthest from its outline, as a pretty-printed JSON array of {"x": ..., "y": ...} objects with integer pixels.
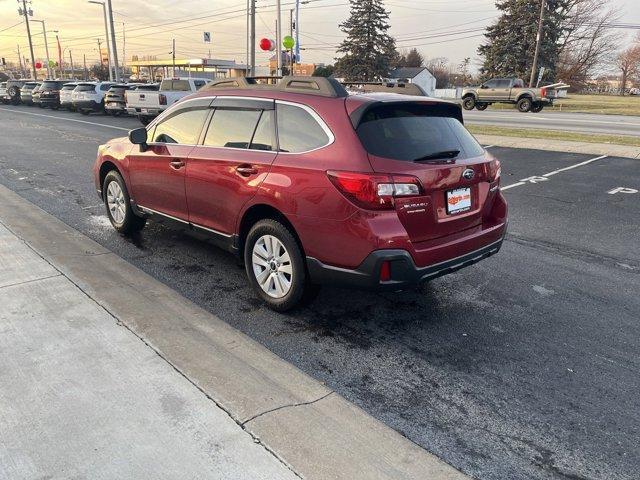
[
  {"x": 508, "y": 90},
  {"x": 147, "y": 105}
]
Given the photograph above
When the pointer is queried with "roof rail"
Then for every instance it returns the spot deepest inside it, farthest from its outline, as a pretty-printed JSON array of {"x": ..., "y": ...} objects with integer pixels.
[
  {"x": 326, "y": 87},
  {"x": 391, "y": 87}
]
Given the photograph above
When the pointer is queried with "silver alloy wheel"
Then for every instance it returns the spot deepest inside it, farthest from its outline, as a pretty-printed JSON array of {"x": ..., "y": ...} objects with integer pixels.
[
  {"x": 272, "y": 266},
  {"x": 116, "y": 202}
]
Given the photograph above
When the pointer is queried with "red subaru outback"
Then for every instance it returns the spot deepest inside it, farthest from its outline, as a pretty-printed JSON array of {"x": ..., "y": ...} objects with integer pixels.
[{"x": 311, "y": 185}]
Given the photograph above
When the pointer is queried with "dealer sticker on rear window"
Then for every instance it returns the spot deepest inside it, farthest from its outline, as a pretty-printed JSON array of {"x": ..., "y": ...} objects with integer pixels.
[{"x": 458, "y": 200}]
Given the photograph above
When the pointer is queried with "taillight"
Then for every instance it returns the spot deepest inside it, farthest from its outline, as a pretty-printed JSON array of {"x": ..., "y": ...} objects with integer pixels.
[
  {"x": 163, "y": 99},
  {"x": 543, "y": 92},
  {"x": 374, "y": 191},
  {"x": 125, "y": 97},
  {"x": 495, "y": 170}
]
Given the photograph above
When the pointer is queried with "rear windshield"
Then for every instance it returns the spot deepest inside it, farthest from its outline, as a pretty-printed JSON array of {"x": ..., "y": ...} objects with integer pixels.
[
  {"x": 69, "y": 86},
  {"x": 153, "y": 87},
  {"x": 51, "y": 86},
  {"x": 179, "y": 85},
  {"x": 86, "y": 87},
  {"x": 29, "y": 85},
  {"x": 412, "y": 131}
]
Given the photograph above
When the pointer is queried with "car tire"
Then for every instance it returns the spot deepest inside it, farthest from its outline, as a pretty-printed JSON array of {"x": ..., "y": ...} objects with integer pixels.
[
  {"x": 469, "y": 103},
  {"x": 524, "y": 105},
  {"x": 537, "y": 107},
  {"x": 84, "y": 112},
  {"x": 117, "y": 202},
  {"x": 482, "y": 106},
  {"x": 277, "y": 271}
]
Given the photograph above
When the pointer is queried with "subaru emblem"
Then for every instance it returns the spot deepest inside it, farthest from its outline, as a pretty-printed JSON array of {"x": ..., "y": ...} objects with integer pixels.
[{"x": 468, "y": 174}]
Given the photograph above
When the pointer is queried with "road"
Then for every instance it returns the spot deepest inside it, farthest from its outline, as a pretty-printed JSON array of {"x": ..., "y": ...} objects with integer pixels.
[
  {"x": 547, "y": 120},
  {"x": 524, "y": 366}
]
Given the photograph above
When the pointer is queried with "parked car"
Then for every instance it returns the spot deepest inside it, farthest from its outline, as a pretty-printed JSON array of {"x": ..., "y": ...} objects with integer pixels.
[
  {"x": 25, "y": 92},
  {"x": 66, "y": 93},
  {"x": 35, "y": 95},
  {"x": 88, "y": 97},
  {"x": 49, "y": 94},
  {"x": 114, "y": 100},
  {"x": 3, "y": 91},
  {"x": 12, "y": 95},
  {"x": 148, "y": 105},
  {"x": 310, "y": 185},
  {"x": 508, "y": 90}
]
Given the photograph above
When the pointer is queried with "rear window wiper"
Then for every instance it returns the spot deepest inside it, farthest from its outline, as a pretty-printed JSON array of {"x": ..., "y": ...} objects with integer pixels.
[{"x": 438, "y": 155}]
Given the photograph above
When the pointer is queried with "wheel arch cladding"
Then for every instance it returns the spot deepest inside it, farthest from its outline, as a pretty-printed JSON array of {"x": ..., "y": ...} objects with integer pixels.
[
  {"x": 105, "y": 168},
  {"x": 262, "y": 211}
]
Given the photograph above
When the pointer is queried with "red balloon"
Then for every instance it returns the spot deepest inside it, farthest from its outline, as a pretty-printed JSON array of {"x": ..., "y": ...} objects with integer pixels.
[
  {"x": 38, "y": 64},
  {"x": 266, "y": 44}
]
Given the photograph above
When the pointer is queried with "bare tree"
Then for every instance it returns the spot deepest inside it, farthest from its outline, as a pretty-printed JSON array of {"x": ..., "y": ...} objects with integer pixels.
[
  {"x": 628, "y": 62},
  {"x": 588, "y": 44},
  {"x": 440, "y": 68}
]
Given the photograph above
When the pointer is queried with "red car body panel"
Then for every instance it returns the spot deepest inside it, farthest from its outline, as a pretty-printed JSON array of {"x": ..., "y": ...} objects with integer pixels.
[{"x": 209, "y": 191}]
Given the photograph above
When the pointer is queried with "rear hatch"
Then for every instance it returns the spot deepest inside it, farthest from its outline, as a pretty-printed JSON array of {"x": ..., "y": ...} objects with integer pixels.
[{"x": 428, "y": 141}]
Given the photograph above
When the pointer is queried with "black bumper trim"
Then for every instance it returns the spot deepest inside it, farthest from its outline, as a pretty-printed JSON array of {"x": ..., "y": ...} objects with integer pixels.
[{"x": 404, "y": 272}]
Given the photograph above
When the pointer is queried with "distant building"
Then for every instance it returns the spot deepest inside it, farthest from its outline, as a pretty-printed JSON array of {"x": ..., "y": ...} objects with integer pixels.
[
  {"x": 421, "y": 76},
  {"x": 197, "y": 67}
]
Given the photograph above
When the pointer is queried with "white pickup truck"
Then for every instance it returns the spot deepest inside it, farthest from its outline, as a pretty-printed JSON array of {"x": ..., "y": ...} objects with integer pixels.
[{"x": 147, "y": 105}]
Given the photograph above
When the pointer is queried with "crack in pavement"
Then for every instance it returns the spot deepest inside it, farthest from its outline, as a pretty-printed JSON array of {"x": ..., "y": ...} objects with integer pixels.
[{"x": 292, "y": 405}]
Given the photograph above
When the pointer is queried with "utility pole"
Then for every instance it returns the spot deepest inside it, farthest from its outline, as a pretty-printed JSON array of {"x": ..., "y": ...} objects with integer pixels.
[
  {"x": 253, "y": 38},
  {"x": 114, "y": 48},
  {"x": 279, "y": 38},
  {"x": 71, "y": 62},
  {"x": 46, "y": 45},
  {"x": 534, "y": 68},
  {"x": 124, "y": 54},
  {"x": 84, "y": 59},
  {"x": 100, "y": 51},
  {"x": 22, "y": 69},
  {"x": 173, "y": 57},
  {"x": 27, "y": 13},
  {"x": 297, "y": 26}
]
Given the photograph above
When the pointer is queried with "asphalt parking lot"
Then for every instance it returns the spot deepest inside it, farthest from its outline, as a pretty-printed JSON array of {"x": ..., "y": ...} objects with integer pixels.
[{"x": 522, "y": 366}]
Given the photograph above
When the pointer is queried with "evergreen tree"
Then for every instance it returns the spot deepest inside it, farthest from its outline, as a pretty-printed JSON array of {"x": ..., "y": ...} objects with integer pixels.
[
  {"x": 369, "y": 51},
  {"x": 511, "y": 41},
  {"x": 413, "y": 58}
]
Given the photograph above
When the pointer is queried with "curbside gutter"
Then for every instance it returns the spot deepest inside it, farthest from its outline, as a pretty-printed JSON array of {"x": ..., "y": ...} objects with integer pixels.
[
  {"x": 312, "y": 429},
  {"x": 553, "y": 145}
]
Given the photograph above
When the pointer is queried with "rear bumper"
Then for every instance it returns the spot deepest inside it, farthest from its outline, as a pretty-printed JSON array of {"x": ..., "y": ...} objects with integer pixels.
[
  {"x": 148, "y": 112},
  {"x": 87, "y": 105},
  {"x": 50, "y": 101},
  {"x": 404, "y": 272}
]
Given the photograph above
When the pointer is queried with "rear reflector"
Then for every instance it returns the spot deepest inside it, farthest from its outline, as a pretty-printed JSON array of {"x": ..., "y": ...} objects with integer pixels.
[{"x": 385, "y": 271}]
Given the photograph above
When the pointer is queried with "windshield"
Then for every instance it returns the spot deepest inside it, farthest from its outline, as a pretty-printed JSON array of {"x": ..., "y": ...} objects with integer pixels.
[
  {"x": 411, "y": 131},
  {"x": 69, "y": 86}
]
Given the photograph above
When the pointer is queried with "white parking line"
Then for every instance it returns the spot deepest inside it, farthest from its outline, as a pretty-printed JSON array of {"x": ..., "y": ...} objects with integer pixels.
[
  {"x": 537, "y": 179},
  {"x": 66, "y": 119}
]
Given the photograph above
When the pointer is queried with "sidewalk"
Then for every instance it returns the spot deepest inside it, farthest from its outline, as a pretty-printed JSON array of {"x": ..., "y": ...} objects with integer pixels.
[
  {"x": 82, "y": 397},
  {"x": 106, "y": 372}
]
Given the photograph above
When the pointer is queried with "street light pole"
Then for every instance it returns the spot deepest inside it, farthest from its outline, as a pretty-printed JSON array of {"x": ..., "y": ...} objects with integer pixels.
[
  {"x": 279, "y": 38},
  {"x": 106, "y": 32},
  {"x": 114, "y": 49},
  {"x": 26, "y": 13},
  {"x": 46, "y": 46},
  {"x": 538, "y": 43},
  {"x": 253, "y": 38}
]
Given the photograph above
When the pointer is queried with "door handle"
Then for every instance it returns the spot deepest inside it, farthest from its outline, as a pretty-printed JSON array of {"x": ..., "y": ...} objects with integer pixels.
[
  {"x": 177, "y": 164},
  {"x": 246, "y": 170}
]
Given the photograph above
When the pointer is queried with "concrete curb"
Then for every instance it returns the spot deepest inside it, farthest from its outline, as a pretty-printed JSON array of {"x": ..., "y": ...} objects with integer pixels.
[
  {"x": 316, "y": 432},
  {"x": 560, "y": 146}
]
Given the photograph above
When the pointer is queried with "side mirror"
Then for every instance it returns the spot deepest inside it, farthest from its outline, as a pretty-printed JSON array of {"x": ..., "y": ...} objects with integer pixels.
[{"x": 138, "y": 136}]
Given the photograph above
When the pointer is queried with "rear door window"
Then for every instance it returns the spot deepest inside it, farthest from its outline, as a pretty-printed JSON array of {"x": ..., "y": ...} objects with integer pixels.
[
  {"x": 412, "y": 131},
  {"x": 264, "y": 136},
  {"x": 232, "y": 128},
  {"x": 298, "y": 130},
  {"x": 176, "y": 85},
  {"x": 86, "y": 88},
  {"x": 199, "y": 84}
]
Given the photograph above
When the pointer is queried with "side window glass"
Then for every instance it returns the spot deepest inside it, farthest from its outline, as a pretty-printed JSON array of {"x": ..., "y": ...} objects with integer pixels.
[
  {"x": 264, "y": 135},
  {"x": 198, "y": 84},
  {"x": 298, "y": 131},
  {"x": 231, "y": 128},
  {"x": 183, "y": 128},
  {"x": 491, "y": 84}
]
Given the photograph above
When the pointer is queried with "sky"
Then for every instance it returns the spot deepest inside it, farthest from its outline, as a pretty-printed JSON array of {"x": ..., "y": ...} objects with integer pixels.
[{"x": 437, "y": 28}]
